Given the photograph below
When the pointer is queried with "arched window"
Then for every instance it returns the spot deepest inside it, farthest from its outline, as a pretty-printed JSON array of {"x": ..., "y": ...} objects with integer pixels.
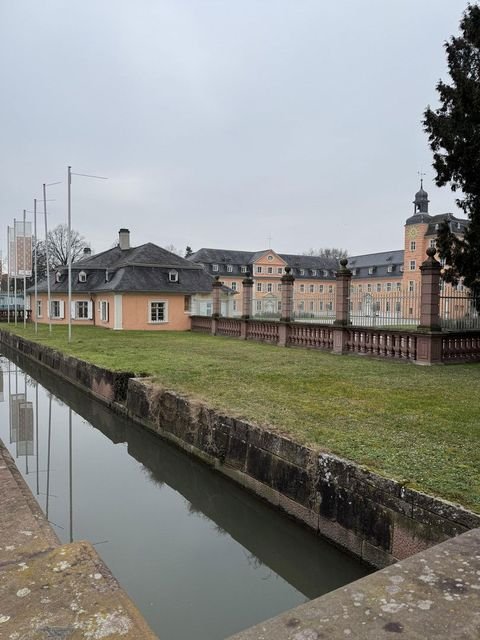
[
  {"x": 58, "y": 276},
  {"x": 82, "y": 276}
]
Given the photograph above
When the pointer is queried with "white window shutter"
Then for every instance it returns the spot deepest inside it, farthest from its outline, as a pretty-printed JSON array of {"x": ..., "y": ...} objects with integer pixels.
[
  {"x": 90, "y": 310},
  {"x": 72, "y": 310},
  {"x": 62, "y": 309},
  {"x": 107, "y": 305},
  {"x": 48, "y": 309}
]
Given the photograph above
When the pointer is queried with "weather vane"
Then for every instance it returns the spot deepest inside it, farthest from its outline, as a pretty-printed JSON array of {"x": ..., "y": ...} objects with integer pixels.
[{"x": 421, "y": 174}]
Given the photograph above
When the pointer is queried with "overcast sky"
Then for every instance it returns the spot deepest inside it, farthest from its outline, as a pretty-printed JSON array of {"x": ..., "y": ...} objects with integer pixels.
[{"x": 221, "y": 123}]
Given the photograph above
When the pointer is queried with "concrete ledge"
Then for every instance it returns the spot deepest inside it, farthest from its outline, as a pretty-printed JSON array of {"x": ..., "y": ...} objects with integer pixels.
[
  {"x": 434, "y": 594},
  {"x": 53, "y": 591}
]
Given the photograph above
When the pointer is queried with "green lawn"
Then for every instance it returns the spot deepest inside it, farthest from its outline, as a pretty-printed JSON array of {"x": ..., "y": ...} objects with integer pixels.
[{"x": 419, "y": 425}]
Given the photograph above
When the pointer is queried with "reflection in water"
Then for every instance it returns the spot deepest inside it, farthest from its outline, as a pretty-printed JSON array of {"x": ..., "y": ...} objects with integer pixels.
[{"x": 200, "y": 556}]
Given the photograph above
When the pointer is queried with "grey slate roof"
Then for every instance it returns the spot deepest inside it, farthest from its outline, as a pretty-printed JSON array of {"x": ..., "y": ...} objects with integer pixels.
[
  {"x": 457, "y": 225},
  {"x": 139, "y": 269},
  {"x": 379, "y": 262},
  {"x": 237, "y": 259}
]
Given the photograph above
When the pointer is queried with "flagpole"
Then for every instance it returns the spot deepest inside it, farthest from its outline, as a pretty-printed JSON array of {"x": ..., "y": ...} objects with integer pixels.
[
  {"x": 69, "y": 250},
  {"x": 8, "y": 275},
  {"x": 15, "y": 272},
  {"x": 24, "y": 271},
  {"x": 35, "y": 304},
  {"x": 49, "y": 310}
]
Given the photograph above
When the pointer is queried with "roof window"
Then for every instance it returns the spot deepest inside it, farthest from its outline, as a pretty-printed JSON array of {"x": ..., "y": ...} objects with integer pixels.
[
  {"x": 173, "y": 276},
  {"x": 82, "y": 276}
]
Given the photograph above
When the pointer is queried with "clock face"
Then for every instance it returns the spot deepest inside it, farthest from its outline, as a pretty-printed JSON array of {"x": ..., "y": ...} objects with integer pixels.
[{"x": 412, "y": 232}]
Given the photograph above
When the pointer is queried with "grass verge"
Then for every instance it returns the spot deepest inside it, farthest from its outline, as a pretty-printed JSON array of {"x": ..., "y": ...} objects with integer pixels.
[{"x": 418, "y": 425}]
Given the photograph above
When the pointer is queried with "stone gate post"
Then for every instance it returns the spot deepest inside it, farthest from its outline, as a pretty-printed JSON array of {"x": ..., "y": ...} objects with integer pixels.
[
  {"x": 247, "y": 302},
  {"x": 342, "y": 307},
  {"x": 429, "y": 342},
  {"x": 216, "y": 304},
  {"x": 288, "y": 282}
]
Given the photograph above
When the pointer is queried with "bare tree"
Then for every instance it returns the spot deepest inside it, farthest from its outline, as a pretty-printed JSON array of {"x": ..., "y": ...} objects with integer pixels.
[
  {"x": 58, "y": 245},
  {"x": 328, "y": 252},
  {"x": 173, "y": 249}
]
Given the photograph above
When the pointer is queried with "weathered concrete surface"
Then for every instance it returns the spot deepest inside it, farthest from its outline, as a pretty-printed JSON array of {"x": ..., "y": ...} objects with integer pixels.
[
  {"x": 53, "y": 591},
  {"x": 434, "y": 594}
]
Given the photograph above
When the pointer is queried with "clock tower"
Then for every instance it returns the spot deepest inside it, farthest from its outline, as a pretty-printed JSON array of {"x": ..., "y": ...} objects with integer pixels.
[{"x": 415, "y": 241}]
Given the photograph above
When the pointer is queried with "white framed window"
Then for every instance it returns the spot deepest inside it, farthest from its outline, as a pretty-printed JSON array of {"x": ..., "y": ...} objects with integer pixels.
[
  {"x": 314, "y": 272},
  {"x": 369, "y": 288},
  {"x": 214, "y": 267},
  {"x": 103, "y": 308},
  {"x": 173, "y": 275},
  {"x": 187, "y": 304},
  {"x": 258, "y": 305},
  {"x": 82, "y": 276},
  {"x": 311, "y": 288},
  {"x": 301, "y": 305},
  {"x": 259, "y": 286},
  {"x": 330, "y": 306},
  {"x": 354, "y": 272},
  {"x": 57, "y": 309},
  {"x": 401, "y": 268},
  {"x": 413, "y": 245},
  {"x": 330, "y": 288},
  {"x": 302, "y": 272},
  {"x": 233, "y": 286},
  {"x": 279, "y": 286},
  {"x": 302, "y": 288},
  {"x": 229, "y": 268},
  {"x": 379, "y": 287},
  {"x": 388, "y": 286},
  {"x": 320, "y": 288},
  {"x": 81, "y": 310},
  {"x": 279, "y": 305},
  {"x": 371, "y": 270},
  {"x": 311, "y": 305},
  {"x": 413, "y": 265},
  {"x": 259, "y": 269},
  {"x": 279, "y": 270},
  {"x": 398, "y": 286},
  {"x": 269, "y": 287},
  {"x": 269, "y": 269},
  {"x": 390, "y": 268},
  {"x": 433, "y": 243},
  {"x": 234, "y": 305},
  {"x": 411, "y": 286},
  {"x": 39, "y": 308},
  {"x": 243, "y": 269},
  {"x": 325, "y": 273},
  {"x": 157, "y": 311}
]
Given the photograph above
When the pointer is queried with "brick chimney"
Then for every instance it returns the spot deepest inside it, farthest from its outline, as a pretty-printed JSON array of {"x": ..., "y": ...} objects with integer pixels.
[
  {"x": 124, "y": 239},
  {"x": 87, "y": 252}
]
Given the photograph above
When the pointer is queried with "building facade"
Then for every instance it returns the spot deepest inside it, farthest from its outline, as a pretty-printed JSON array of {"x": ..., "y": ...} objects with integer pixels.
[
  {"x": 143, "y": 287},
  {"x": 384, "y": 284}
]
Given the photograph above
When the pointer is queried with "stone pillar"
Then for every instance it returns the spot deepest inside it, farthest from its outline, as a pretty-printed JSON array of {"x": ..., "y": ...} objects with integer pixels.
[
  {"x": 247, "y": 303},
  {"x": 342, "y": 294},
  {"x": 342, "y": 307},
  {"x": 216, "y": 304},
  {"x": 247, "y": 297},
  {"x": 429, "y": 342},
  {"x": 430, "y": 293},
  {"x": 287, "y": 295},
  {"x": 216, "y": 290}
]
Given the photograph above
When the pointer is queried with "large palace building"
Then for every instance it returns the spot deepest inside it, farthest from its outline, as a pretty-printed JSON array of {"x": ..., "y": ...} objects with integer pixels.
[{"x": 378, "y": 274}]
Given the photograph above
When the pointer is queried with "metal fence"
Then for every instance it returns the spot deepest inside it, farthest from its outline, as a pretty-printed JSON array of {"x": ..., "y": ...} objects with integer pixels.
[
  {"x": 393, "y": 308},
  {"x": 459, "y": 310}
]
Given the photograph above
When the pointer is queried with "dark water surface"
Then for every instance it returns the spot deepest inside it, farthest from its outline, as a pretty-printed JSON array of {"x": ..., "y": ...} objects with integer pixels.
[{"x": 200, "y": 557}]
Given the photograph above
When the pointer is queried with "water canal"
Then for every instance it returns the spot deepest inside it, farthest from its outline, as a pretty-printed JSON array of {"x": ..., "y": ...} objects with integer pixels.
[{"x": 199, "y": 556}]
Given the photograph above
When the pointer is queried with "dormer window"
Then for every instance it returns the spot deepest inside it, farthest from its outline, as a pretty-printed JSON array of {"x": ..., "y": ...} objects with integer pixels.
[
  {"x": 58, "y": 276},
  {"x": 325, "y": 273},
  {"x": 229, "y": 268},
  {"x": 314, "y": 272},
  {"x": 371, "y": 270},
  {"x": 354, "y": 272},
  {"x": 302, "y": 272},
  {"x": 243, "y": 269},
  {"x": 390, "y": 268},
  {"x": 173, "y": 276},
  {"x": 107, "y": 275},
  {"x": 215, "y": 267},
  {"x": 82, "y": 276}
]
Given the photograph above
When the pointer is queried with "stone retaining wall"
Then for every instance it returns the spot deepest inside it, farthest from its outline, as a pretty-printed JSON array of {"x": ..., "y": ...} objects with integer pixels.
[{"x": 372, "y": 517}]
